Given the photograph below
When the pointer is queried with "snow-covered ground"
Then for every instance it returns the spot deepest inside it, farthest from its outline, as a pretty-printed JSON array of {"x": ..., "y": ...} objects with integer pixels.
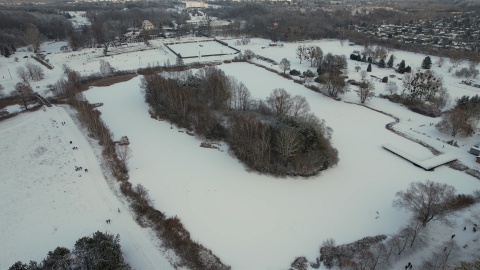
[
  {"x": 248, "y": 220},
  {"x": 269, "y": 220},
  {"x": 46, "y": 203}
]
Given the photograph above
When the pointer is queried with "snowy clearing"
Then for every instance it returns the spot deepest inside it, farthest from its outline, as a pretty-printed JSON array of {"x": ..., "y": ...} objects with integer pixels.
[{"x": 48, "y": 204}]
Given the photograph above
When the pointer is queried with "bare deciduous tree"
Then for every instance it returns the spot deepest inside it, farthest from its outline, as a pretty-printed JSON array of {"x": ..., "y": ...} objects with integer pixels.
[
  {"x": 427, "y": 200},
  {"x": 23, "y": 74},
  {"x": 456, "y": 121},
  {"x": 443, "y": 256},
  {"x": 124, "y": 153},
  {"x": 284, "y": 65},
  {"x": 241, "y": 97},
  {"x": 24, "y": 92},
  {"x": 366, "y": 90},
  {"x": 105, "y": 68},
  {"x": 34, "y": 38},
  {"x": 279, "y": 102},
  {"x": 288, "y": 143},
  {"x": 35, "y": 72},
  {"x": 334, "y": 84},
  {"x": 391, "y": 87}
]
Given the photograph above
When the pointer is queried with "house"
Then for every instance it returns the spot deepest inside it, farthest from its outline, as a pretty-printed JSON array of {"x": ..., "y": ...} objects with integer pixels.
[
  {"x": 147, "y": 25},
  {"x": 194, "y": 4}
]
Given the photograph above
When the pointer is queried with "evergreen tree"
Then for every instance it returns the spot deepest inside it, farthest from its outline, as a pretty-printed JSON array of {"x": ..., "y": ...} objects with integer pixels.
[
  {"x": 390, "y": 62},
  {"x": 370, "y": 60},
  {"x": 364, "y": 58},
  {"x": 408, "y": 69},
  {"x": 6, "y": 51},
  {"x": 401, "y": 67},
  {"x": 381, "y": 63},
  {"x": 369, "y": 68},
  {"x": 427, "y": 63}
]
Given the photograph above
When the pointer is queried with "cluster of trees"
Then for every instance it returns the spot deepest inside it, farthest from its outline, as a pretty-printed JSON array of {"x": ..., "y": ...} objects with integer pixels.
[
  {"x": 313, "y": 54},
  {"x": 330, "y": 75},
  {"x": 462, "y": 119},
  {"x": 17, "y": 26},
  {"x": 470, "y": 72},
  {"x": 427, "y": 201},
  {"x": 423, "y": 92},
  {"x": 100, "y": 251},
  {"x": 278, "y": 135},
  {"x": 284, "y": 139},
  {"x": 30, "y": 72}
]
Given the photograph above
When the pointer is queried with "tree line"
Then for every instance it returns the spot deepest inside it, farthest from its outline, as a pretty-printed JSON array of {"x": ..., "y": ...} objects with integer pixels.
[{"x": 277, "y": 135}]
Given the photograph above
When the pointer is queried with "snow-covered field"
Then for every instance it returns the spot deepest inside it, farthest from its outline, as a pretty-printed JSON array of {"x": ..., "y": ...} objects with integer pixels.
[
  {"x": 46, "y": 203},
  {"x": 250, "y": 221},
  {"x": 202, "y": 48},
  {"x": 268, "y": 220}
]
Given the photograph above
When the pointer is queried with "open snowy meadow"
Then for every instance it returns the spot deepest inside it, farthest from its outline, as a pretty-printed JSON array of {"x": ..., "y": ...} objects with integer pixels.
[
  {"x": 47, "y": 203},
  {"x": 250, "y": 221}
]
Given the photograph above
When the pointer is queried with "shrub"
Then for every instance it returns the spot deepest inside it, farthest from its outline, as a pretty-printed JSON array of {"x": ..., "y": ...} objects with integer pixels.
[{"x": 295, "y": 72}]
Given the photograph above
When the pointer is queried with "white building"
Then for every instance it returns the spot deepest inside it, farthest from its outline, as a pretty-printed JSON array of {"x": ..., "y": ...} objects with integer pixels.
[
  {"x": 194, "y": 4},
  {"x": 147, "y": 25}
]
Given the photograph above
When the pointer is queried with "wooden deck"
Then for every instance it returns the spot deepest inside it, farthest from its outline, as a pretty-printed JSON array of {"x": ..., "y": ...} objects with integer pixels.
[{"x": 427, "y": 164}]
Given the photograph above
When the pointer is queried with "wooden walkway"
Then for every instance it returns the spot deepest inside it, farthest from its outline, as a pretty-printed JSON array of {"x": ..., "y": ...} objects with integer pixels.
[{"x": 427, "y": 164}]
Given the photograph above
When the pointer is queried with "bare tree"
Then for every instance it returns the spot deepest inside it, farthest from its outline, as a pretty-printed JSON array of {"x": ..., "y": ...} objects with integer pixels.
[
  {"x": 241, "y": 97},
  {"x": 300, "y": 107},
  {"x": 284, "y": 65},
  {"x": 443, "y": 256},
  {"x": 334, "y": 85},
  {"x": 280, "y": 102},
  {"x": 391, "y": 87},
  {"x": 105, "y": 68},
  {"x": 357, "y": 68},
  {"x": 288, "y": 143},
  {"x": 34, "y": 38},
  {"x": 366, "y": 90},
  {"x": 456, "y": 121},
  {"x": 35, "y": 72},
  {"x": 248, "y": 54},
  {"x": 440, "y": 61},
  {"x": 23, "y": 74},
  {"x": 301, "y": 51},
  {"x": 144, "y": 199},
  {"x": 427, "y": 200},
  {"x": 317, "y": 56},
  {"x": 124, "y": 153},
  {"x": 1, "y": 91},
  {"x": 24, "y": 92}
]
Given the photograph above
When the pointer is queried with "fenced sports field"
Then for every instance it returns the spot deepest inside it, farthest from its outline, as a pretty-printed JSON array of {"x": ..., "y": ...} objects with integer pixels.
[{"x": 203, "y": 48}]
